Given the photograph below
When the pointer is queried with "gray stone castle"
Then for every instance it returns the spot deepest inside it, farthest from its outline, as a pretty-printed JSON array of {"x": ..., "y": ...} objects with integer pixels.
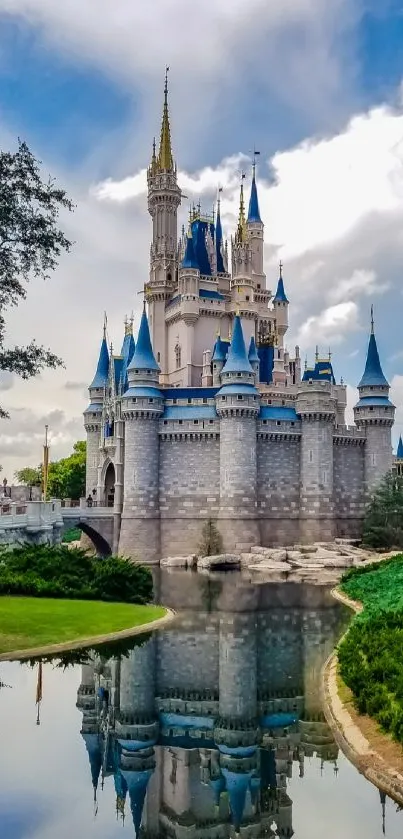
[{"x": 207, "y": 417}]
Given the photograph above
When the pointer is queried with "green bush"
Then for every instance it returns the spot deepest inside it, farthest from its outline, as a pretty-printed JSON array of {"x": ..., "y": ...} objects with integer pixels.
[
  {"x": 43, "y": 571},
  {"x": 383, "y": 523},
  {"x": 72, "y": 535},
  {"x": 370, "y": 655}
]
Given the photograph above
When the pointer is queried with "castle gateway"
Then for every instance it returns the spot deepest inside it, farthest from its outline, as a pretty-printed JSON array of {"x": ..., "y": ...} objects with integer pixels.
[{"x": 208, "y": 417}]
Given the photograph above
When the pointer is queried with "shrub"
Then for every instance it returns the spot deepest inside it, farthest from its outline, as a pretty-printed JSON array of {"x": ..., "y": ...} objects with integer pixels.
[
  {"x": 72, "y": 535},
  {"x": 43, "y": 571},
  {"x": 211, "y": 543}
]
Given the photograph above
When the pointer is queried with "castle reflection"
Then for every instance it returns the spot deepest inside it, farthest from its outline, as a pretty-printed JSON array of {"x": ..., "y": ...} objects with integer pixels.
[{"x": 201, "y": 726}]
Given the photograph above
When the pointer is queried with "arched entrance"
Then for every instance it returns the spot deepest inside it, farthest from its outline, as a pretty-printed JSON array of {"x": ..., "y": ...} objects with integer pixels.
[{"x": 110, "y": 486}]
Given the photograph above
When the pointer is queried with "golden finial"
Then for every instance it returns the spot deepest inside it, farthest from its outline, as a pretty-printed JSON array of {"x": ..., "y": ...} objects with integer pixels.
[
  {"x": 241, "y": 230},
  {"x": 317, "y": 353},
  {"x": 129, "y": 325},
  {"x": 280, "y": 267},
  {"x": 165, "y": 159},
  {"x": 372, "y": 321},
  {"x": 105, "y": 323},
  {"x": 330, "y": 354}
]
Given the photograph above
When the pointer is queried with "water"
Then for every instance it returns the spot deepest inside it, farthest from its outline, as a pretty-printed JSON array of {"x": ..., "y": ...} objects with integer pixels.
[{"x": 218, "y": 720}]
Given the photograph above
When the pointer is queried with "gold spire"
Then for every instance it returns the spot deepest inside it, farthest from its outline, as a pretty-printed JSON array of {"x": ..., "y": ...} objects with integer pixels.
[
  {"x": 154, "y": 162},
  {"x": 165, "y": 159},
  {"x": 128, "y": 326},
  {"x": 241, "y": 230}
]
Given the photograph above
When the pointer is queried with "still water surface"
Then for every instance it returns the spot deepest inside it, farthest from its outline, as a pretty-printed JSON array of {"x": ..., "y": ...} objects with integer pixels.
[{"x": 209, "y": 729}]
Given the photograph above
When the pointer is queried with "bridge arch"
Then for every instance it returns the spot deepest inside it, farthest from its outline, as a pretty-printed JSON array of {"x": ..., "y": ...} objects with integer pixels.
[
  {"x": 108, "y": 479},
  {"x": 101, "y": 545}
]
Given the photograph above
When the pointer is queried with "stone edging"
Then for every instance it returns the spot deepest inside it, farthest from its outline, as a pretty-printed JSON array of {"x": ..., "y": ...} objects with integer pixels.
[
  {"x": 347, "y": 734},
  {"x": 95, "y": 641}
]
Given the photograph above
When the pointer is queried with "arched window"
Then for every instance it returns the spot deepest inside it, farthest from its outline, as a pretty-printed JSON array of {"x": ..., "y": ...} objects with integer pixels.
[{"x": 178, "y": 356}]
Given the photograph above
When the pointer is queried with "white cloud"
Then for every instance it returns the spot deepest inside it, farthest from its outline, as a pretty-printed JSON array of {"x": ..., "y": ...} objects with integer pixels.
[
  {"x": 360, "y": 282},
  {"x": 330, "y": 326},
  {"x": 396, "y": 395}
]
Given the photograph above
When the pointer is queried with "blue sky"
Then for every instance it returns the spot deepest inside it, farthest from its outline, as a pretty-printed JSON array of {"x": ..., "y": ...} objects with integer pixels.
[{"x": 314, "y": 84}]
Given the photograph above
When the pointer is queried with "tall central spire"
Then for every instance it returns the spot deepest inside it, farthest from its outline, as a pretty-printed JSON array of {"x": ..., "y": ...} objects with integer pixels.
[
  {"x": 165, "y": 159},
  {"x": 241, "y": 219}
]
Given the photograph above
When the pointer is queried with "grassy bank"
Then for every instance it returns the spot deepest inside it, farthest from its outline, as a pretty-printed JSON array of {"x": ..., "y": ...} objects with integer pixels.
[
  {"x": 370, "y": 655},
  {"x": 29, "y": 622}
]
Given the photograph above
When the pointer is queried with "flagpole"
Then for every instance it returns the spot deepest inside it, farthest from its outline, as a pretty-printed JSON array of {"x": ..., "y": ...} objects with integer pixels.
[
  {"x": 39, "y": 693},
  {"x": 45, "y": 464}
]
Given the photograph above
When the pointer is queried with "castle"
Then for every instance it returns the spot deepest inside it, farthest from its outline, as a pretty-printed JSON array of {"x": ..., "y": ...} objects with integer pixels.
[{"x": 208, "y": 416}]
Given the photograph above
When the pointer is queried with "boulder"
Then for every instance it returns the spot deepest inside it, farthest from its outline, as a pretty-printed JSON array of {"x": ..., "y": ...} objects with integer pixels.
[
  {"x": 222, "y": 561},
  {"x": 266, "y": 567},
  {"x": 179, "y": 561}
]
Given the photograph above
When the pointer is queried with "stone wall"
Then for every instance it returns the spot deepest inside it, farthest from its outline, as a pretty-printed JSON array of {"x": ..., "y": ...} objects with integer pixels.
[
  {"x": 189, "y": 478},
  {"x": 278, "y": 476},
  {"x": 348, "y": 480},
  {"x": 187, "y": 654}
]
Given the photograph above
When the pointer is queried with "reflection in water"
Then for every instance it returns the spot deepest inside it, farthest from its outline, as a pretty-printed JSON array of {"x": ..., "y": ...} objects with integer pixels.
[{"x": 201, "y": 727}]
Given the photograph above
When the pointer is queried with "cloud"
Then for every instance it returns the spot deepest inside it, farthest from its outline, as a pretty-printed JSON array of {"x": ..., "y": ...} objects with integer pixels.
[
  {"x": 21, "y": 439},
  {"x": 6, "y": 380},
  {"x": 82, "y": 386},
  {"x": 396, "y": 395},
  {"x": 330, "y": 326},
  {"x": 359, "y": 283}
]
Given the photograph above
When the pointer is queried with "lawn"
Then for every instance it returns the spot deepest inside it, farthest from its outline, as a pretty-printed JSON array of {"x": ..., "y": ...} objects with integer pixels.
[{"x": 28, "y": 622}]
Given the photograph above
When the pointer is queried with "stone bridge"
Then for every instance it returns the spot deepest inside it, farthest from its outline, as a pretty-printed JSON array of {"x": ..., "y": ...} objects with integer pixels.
[{"x": 44, "y": 522}]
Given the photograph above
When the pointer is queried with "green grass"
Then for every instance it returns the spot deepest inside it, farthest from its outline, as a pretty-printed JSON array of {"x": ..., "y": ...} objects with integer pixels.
[
  {"x": 28, "y": 622},
  {"x": 377, "y": 586}
]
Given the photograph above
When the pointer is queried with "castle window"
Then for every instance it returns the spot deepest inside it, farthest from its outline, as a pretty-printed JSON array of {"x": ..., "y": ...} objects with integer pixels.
[
  {"x": 278, "y": 422},
  {"x": 283, "y": 401},
  {"x": 174, "y": 401},
  {"x": 239, "y": 397},
  {"x": 204, "y": 400},
  {"x": 189, "y": 401},
  {"x": 211, "y": 422},
  {"x": 195, "y": 422},
  {"x": 258, "y": 285},
  {"x": 239, "y": 375},
  {"x": 247, "y": 298},
  {"x": 178, "y": 356},
  {"x": 165, "y": 422},
  {"x": 133, "y": 401},
  {"x": 169, "y": 277},
  {"x": 180, "y": 422},
  {"x": 224, "y": 398},
  {"x": 158, "y": 356},
  {"x": 151, "y": 400},
  {"x": 293, "y": 423}
]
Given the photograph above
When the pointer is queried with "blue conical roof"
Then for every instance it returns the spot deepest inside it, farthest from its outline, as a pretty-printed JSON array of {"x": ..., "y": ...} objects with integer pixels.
[
  {"x": 143, "y": 358},
  {"x": 101, "y": 376},
  {"x": 237, "y": 360},
  {"x": 253, "y": 211},
  {"x": 137, "y": 782},
  {"x": 237, "y": 786},
  {"x": 373, "y": 373},
  {"x": 189, "y": 260},
  {"x": 94, "y": 753},
  {"x": 400, "y": 448},
  {"x": 218, "y": 243},
  {"x": 252, "y": 354},
  {"x": 219, "y": 350},
  {"x": 127, "y": 352},
  {"x": 280, "y": 295}
]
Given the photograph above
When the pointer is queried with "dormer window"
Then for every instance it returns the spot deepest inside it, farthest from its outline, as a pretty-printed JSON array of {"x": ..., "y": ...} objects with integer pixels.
[{"x": 178, "y": 356}]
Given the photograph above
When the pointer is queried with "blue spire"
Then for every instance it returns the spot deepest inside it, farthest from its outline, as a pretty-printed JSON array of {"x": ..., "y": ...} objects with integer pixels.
[
  {"x": 127, "y": 351},
  {"x": 252, "y": 354},
  {"x": 137, "y": 782},
  {"x": 219, "y": 350},
  {"x": 280, "y": 296},
  {"x": 253, "y": 211},
  {"x": 101, "y": 376},
  {"x": 218, "y": 241},
  {"x": 400, "y": 448},
  {"x": 94, "y": 753},
  {"x": 373, "y": 373},
  {"x": 189, "y": 260},
  {"x": 237, "y": 360},
  {"x": 237, "y": 786},
  {"x": 143, "y": 358}
]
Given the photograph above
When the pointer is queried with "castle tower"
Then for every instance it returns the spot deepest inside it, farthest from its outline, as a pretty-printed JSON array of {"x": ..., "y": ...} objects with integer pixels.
[
  {"x": 241, "y": 256},
  {"x": 238, "y": 667},
  {"x": 127, "y": 352},
  {"x": 255, "y": 228},
  {"x": 142, "y": 406},
  {"x": 93, "y": 416},
  {"x": 218, "y": 361},
  {"x": 164, "y": 198},
  {"x": 375, "y": 413},
  {"x": 280, "y": 306},
  {"x": 219, "y": 244},
  {"x": 238, "y": 404},
  {"x": 316, "y": 407},
  {"x": 189, "y": 277}
]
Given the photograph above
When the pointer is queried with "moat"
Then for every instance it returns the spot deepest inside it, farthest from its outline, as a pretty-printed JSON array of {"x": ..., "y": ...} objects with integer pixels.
[{"x": 208, "y": 729}]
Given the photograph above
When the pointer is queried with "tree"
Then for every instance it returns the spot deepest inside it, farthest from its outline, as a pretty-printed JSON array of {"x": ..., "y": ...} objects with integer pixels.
[
  {"x": 30, "y": 246},
  {"x": 383, "y": 522},
  {"x": 29, "y": 476},
  {"x": 66, "y": 477}
]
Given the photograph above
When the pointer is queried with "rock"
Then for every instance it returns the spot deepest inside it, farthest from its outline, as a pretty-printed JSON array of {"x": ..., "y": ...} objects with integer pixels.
[
  {"x": 278, "y": 555},
  {"x": 222, "y": 561},
  {"x": 258, "y": 549},
  {"x": 306, "y": 549},
  {"x": 266, "y": 566},
  {"x": 179, "y": 561},
  {"x": 294, "y": 556}
]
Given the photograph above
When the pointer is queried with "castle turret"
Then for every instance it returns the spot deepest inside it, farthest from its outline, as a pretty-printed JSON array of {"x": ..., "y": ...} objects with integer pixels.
[
  {"x": 241, "y": 256},
  {"x": 280, "y": 306},
  {"x": 93, "y": 416},
  {"x": 164, "y": 197},
  {"x": 255, "y": 229},
  {"x": 218, "y": 360},
  {"x": 237, "y": 404},
  {"x": 219, "y": 245},
  {"x": 375, "y": 413},
  {"x": 254, "y": 358},
  {"x": 316, "y": 406},
  {"x": 142, "y": 406}
]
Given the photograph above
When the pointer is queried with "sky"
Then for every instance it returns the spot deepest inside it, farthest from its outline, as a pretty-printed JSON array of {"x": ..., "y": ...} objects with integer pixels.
[{"x": 315, "y": 85}]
